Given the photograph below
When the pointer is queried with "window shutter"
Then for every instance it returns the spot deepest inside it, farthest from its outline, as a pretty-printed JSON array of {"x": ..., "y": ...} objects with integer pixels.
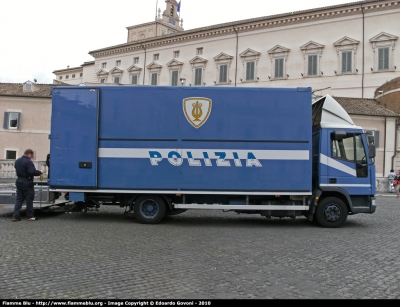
[
  {"x": 197, "y": 76},
  {"x": 380, "y": 59},
  {"x": 154, "y": 79},
  {"x": 315, "y": 65},
  {"x": 5, "y": 124},
  {"x": 278, "y": 68},
  {"x": 174, "y": 78},
  {"x": 250, "y": 70},
  {"x": 376, "y": 138},
  {"x": 310, "y": 65},
  {"x": 349, "y": 61},
  {"x": 344, "y": 61},
  {"x": 134, "y": 79},
  {"x": 19, "y": 121},
  {"x": 386, "y": 58},
  {"x": 223, "y": 73}
]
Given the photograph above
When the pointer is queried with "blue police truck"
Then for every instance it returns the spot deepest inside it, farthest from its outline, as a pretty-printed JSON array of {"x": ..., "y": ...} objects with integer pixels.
[{"x": 158, "y": 151}]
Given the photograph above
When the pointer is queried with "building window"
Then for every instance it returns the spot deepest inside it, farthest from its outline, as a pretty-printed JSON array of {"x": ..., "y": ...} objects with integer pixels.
[
  {"x": 174, "y": 77},
  {"x": 176, "y": 54},
  {"x": 156, "y": 57},
  {"x": 279, "y": 67},
  {"x": 60, "y": 78},
  {"x": 312, "y": 65},
  {"x": 198, "y": 76},
  {"x": 135, "y": 79},
  {"x": 73, "y": 76},
  {"x": 116, "y": 80},
  {"x": 118, "y": 63},
  {"x": 81, "y": 74},
  {"x": 383, "y": 58},
  {"x": 154, "y": 78},
  {"x": 375, "y": 134},
  {"x": 347, "y": 61},
  {"x": 11, "y": 120},
  {"x": 223, "y": 73},
  {"x": 102, "y": 80},
  {"x": 67, "y": 77},
  {"x": 104, "y": 65},
  {"x": 250, "y": 70},
  {"x": 11, "y": 155},
  {"x": 135, "y": 60},
  {"x": 28, "y": 86},
  {"x": 199, "y": 51}
]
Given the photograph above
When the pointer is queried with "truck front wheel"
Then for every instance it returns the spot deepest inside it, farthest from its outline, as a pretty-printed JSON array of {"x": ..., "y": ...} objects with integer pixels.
[
  {"x": 149, "y": 209},
  {"x": 331, "y": 212}
]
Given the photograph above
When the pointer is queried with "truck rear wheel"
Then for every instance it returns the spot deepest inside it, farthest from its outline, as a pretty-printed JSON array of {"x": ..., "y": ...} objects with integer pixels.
[
  {"x": 149, "y": 209},
  {"x": 331, "y": 212}
]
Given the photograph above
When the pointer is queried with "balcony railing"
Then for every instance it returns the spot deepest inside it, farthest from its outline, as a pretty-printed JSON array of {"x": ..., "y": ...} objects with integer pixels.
[{"x": 7, "y": 169}]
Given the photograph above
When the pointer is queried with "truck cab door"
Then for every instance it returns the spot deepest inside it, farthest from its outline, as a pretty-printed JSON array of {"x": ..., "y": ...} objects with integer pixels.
[{"x": 348, "y": 166}]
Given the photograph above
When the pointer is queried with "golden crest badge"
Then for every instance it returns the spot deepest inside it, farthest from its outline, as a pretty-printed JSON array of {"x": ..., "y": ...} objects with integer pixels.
[{"x": 197, "y": 110}]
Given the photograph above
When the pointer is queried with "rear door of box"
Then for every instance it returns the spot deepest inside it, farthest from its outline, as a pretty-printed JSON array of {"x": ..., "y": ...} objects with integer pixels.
[{"x": 74, "y": 138}]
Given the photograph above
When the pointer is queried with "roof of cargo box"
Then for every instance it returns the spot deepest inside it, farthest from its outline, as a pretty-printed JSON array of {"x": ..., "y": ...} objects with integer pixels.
[{"x": 328, "y": 113}]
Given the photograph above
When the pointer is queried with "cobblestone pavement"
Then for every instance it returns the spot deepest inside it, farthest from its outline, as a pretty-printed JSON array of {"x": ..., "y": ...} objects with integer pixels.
[{"x": 200, "y": 255}]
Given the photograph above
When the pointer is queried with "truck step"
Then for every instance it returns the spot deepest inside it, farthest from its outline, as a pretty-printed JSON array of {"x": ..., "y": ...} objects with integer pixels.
[{"x": 238, "y": 207}]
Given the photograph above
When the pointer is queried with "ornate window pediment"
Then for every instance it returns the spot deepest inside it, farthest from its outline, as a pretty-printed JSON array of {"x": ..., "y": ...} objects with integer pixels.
[
  {"x": 223, "y": 62},
  {"x": 250, "y": 58},
  {"x": 223, "y": 57},
  {"x": 154, "y": 73},
  {"x": 102, "y": 75},
  {"x": 249, "y": 54},
  {"x": 279, "y": 55},
  {"x": 346, "y": 49},
  {"x": 198, "y": 60},
  {"x": 311, "y": 45},
  {"x": 382, "y": 37},
  {"x": 312, "y": 53},
  {"x": 174, "y": 63},
  {"x": 134, "y": 69},
  {"x": 278, "y": 49},
  {"x": 102, "y": 72},
  {"x": 383, "y": 46},
  {"x": 116, "y": 71},
  {"x": 346, "y": 41},
  {"x": 154, "y": 65}
]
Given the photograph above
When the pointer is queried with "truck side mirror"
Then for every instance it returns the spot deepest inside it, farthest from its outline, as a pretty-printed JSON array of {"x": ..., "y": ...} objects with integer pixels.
[
  {"x": 339, "y": 135},
  {"x": 371, "y": 139},
  {"x": 372, "y": 151}
]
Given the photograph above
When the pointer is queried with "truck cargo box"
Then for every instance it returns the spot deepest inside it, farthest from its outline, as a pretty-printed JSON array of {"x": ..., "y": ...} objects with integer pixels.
[{"x": 191, "y": 139}]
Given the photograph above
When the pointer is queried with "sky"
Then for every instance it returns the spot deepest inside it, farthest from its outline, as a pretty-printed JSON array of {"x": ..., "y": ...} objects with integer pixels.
[{"x": 38, "y": 37}]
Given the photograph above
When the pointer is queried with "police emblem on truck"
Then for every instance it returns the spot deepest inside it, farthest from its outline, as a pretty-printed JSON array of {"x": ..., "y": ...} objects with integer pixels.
[{"x": 197, "y": 110}]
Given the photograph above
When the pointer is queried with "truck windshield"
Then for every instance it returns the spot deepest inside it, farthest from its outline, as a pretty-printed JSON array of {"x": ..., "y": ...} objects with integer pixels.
[{"x": 351, "y": 149}]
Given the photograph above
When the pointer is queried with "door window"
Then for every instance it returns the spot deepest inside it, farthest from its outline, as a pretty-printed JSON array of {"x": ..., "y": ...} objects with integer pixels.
[{"x": 351, "y": 149}]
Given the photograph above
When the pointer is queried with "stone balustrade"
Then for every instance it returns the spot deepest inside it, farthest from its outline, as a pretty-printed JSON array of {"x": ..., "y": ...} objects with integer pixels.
[{"x": 7, "y": 169}]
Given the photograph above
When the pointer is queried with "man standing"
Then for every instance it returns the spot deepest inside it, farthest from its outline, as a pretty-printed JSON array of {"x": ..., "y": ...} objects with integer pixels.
[{"x": 25, "y": 188}]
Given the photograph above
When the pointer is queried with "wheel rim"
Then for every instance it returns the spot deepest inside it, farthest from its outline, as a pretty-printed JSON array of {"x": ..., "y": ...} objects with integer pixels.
[
  {"x": 332, "y": 212},
  {"x": 149, "y": 208}
]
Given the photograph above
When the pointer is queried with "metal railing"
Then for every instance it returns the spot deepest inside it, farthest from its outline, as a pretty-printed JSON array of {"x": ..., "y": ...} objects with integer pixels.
[{"x": 7, "y": 169}]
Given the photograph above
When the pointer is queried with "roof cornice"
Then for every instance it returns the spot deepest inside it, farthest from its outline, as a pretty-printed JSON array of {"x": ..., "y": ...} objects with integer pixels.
[
  {"x": 267, "y": 22},
  {"x": 68, "y": 69}
]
